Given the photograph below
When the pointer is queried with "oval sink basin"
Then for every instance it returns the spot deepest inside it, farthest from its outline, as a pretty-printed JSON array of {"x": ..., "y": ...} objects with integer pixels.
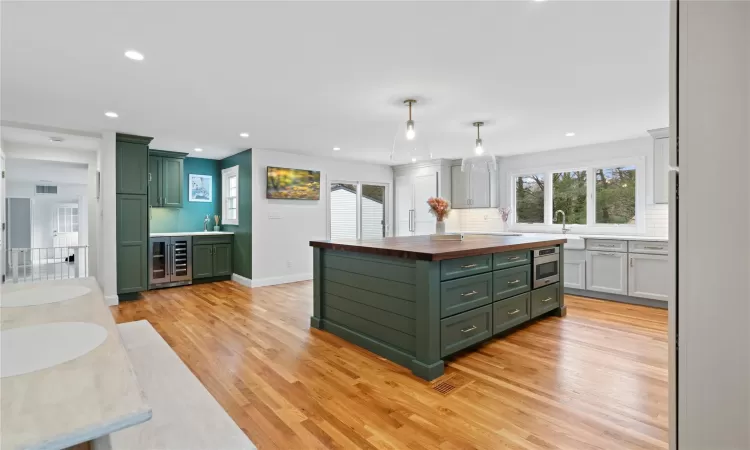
[
  {"x": 41, "y": 295},
  {"x": 37, "y": 347}
]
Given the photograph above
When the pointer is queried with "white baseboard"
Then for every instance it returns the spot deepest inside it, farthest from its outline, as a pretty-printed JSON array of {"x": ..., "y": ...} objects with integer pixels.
[
  {"x": 242, "y": 280},
  {"x": 281, "y": 280},
  {"x": 112, "y": 300}
]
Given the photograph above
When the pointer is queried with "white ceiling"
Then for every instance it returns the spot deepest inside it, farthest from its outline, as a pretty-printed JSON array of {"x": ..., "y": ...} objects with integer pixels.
[
  {"x": 311, "y": 76},
  {"x": 41, "y": 137},
  {"x": 33, "y": 171}
]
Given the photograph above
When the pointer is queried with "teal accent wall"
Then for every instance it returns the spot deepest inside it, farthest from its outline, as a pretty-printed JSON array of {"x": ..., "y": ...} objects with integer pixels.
[
  {"x": 242, "y": 251},
  {"x": 190, "y": 216}
]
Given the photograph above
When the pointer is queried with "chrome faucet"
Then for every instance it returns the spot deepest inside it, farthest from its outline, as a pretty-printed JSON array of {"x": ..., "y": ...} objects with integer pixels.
[
  {"x": 205, "y": 223},
  {"x": 560, "y": 211}
]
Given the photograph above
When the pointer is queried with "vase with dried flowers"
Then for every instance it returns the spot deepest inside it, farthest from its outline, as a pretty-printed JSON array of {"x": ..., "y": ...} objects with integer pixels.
[
  {"x": 216, "y": 221},
  {"x": 440, "y": 208},
  {"x": 505, "y": 214}
]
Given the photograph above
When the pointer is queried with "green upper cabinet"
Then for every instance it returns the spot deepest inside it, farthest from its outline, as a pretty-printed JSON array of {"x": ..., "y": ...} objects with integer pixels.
[
  {"x": 166, "y": 179},
  {"x": 132, "y": 164}
]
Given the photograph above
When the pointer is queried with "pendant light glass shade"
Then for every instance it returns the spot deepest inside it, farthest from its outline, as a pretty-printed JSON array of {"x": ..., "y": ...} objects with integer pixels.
[
  {"x": 480, "y": 161},
  {"x": 410, "y": 133}
]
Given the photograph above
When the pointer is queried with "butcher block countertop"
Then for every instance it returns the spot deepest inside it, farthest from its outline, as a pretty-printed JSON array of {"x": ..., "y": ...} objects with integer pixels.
[{"x": 426, "y": 249}]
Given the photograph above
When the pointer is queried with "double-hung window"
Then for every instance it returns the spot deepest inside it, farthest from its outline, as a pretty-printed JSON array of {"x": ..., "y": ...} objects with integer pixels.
[
  {"x": 594, "y": 197},
  {"x": 230, "y": 196}
]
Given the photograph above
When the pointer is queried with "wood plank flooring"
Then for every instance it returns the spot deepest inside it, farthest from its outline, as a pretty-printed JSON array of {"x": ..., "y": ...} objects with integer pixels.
[{"x": 594, "y": 379}]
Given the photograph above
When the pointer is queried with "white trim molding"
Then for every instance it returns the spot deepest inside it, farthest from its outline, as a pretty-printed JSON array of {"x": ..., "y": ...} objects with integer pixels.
[
  {"x": 112, "y": 300},
  {"x": 282, "y": 280},
  {"x": 242, "y": 280}
]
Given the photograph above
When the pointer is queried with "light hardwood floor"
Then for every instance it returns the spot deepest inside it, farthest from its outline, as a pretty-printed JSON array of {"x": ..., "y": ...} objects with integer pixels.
[{"x": 594, "y": 379}]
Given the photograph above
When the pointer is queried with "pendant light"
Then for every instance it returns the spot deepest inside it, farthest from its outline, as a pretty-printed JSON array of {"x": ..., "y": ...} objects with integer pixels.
[
  {"x": 410, "y": 123},
  {"x": 479, "y": 161}
]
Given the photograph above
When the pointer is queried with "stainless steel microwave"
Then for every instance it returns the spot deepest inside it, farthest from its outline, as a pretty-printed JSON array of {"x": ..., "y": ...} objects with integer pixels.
[{"x": 546, "y": 266}]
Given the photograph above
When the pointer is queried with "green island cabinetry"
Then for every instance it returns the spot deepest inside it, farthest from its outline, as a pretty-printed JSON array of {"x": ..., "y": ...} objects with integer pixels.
[
  {"x": 131, "y": 213},
  {"x": 212, "y": 257},
  {"x": 165, "y": 179},
  {"x": 416, "y": 301}
]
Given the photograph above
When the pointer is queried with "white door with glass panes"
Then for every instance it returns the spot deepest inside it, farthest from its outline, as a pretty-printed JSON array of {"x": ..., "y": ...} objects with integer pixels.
[
  {"x": 357, "y": 210},
  {"x": 65, "y": 225}
]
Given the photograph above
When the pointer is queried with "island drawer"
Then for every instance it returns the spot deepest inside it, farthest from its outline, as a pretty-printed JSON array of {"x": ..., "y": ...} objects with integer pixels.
[
  {"x": 466, "y": 293},
  {"x": 510, "y": 312},
  {"x": 465, "y": 329},
  {"x": 511, "y": 259},
  {"x": 545, "y": 299},
  {"x": 509, "y": 282},
  {"x": 607, "y": 245},
  {"x": 656, "y": 248},
  {"x": 463, "y": 267},
  {"x": 212, "y": 239}
]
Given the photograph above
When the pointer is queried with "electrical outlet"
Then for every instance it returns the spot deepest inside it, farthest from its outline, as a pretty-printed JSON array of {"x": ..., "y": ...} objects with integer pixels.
[{"x": 288, "y": 264}]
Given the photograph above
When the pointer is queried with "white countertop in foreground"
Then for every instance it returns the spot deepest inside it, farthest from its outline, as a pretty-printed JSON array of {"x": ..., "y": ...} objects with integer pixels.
[
  {"x": 76, "y": 401},
  {"x": 191, "y": 233}
]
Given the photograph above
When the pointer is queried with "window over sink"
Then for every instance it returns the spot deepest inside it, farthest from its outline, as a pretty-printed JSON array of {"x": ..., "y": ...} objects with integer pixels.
[{"x": 595, "y": 196}]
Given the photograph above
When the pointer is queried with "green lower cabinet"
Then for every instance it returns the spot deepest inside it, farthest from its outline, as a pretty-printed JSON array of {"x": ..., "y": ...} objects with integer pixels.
[
  {"x": 463, "y": 294},
  {"x": 203, "y": 262},
  {"x": 222, "y": 256},
  {"x": 212, "y": 260},
  {"x": 509, "y": 282},
  {"x": 510, "y": 312},
  {"x": 132, "y": 243},
  {"x": 465, "y": 329},
  {"x": 545, "y": 299}
]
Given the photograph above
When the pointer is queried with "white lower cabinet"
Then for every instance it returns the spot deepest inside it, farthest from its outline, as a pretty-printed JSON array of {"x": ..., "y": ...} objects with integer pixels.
[
  {"x": 575, "y": 269},
  {"x": 607, "y": 272},
  {"x": 648, "y": 277}
]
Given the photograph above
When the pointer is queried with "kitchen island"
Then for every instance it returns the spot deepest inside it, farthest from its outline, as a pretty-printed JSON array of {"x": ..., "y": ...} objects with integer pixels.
[{"x": 415, "y": 301}]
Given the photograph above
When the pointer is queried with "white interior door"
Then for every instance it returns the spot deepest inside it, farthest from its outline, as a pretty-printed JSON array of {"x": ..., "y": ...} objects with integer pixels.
[
  {"x": 404, "y": 205},
  {"x": 425, "y": 186},
  {"x": 65, "y": 225}
]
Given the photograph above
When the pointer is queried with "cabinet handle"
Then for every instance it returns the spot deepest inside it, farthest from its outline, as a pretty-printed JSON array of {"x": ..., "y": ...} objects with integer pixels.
[
  {"x": 473, "y": 327},
  {"x": 469, "y": 294},
  {"x": 654, "y": 248},
  {"x": 548, "y": 299},
  {"x": 514, "y": 258},
  {"x": 607, "y": 254},
  {"x": 469, "y": 266},
  {"x": 631, "y": 262},
  {"x": 607, "y": 245},
  {"x": 149, "y": 177},
  {"x": 516, "y": 311},
  {"x": 514, "y": 282},
  {"x": 150, "y": 212}
]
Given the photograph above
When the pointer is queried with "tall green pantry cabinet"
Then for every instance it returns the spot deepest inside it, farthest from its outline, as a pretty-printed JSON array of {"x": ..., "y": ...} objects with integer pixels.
[{"x": 132, "y": 159}]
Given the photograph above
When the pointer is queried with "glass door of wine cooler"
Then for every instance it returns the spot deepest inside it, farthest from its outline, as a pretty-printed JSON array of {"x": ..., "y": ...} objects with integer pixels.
[
  {"x": 182, "y": 258},
  {"x": 159, "y": 263}
]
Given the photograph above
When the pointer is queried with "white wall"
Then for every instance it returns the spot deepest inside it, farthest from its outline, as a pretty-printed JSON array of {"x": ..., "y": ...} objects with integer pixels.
[
  {"x": 282, "y": 229},
  {"x": 108, "y": 221},
  {"x": 714, "y": 219},
  {"x": 488, "y": 219}
]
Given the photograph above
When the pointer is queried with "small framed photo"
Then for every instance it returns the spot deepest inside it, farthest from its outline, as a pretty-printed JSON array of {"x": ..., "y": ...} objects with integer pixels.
[{"x": 200, "y": 188}]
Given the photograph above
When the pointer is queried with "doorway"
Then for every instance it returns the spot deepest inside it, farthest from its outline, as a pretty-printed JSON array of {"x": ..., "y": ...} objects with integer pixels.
[{"x": 357, "y": 210}]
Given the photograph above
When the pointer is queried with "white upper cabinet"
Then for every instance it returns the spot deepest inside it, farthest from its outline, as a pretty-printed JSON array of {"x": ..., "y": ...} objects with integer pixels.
[
  {"x": 414, "y": 184},
  {"x": 661, "y": 165},
  {"x": 472, "y": 189}
]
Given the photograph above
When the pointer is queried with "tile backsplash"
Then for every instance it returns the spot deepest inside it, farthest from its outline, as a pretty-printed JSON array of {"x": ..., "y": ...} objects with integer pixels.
[{"x": 488, "y": 219}]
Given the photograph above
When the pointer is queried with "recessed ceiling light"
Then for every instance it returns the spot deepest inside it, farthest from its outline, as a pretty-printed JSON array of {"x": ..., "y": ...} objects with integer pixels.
[
  {"x": 56, "y": 139},
  {"x": 111, "y": 114},
  {"x": 570, "y": 134},
  {"x": 134, "y": 55},
  {"x": 244, "y": 135},
  {"x": 414, "y": 160},
  {"x": 197, "y": 149},
  {"x": 335, "y": 149}
]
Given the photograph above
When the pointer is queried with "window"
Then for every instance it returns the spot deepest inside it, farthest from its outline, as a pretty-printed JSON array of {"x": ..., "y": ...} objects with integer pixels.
[
  {"x": 569, "y": 191},
  {"x": 530, "y": 198},
  {"x": 599, "y": 196},
  {"x": 67, "y": 219},
  {"x": 230, "y": 196},
  {"x": 357, "y": 210},
  {"x": 615, "y": 195}
]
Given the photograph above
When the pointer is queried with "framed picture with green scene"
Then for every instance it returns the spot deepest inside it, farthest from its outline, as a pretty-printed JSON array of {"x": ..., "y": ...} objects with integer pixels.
[{"x": 292, "y": 184}]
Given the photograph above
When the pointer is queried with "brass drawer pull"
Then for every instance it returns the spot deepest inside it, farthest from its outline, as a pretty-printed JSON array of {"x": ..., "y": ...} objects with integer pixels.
[
  {"x": 514, "y": 258},
  {"x": 514, "y": 282},
  {"x": 469, "y": 266},
  {"x": 510, "y": 313},
  {"x": 548, "y": 299},
  {"x": 473, "y": 327},
  {"x": 469, "y": 294}
]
